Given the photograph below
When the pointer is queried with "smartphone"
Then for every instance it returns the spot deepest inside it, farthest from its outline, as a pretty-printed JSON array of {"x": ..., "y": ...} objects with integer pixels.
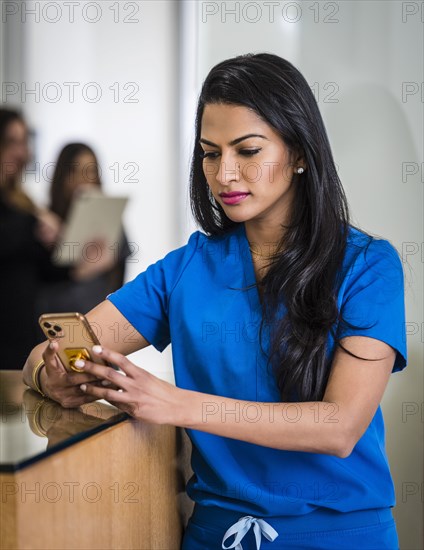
[{"x": 74, "y": 335}]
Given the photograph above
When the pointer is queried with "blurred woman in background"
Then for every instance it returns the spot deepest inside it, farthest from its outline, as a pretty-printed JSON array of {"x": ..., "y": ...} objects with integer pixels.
[
  {"x": 77, "y": 171},
  {"x": 26, "y": 236}
]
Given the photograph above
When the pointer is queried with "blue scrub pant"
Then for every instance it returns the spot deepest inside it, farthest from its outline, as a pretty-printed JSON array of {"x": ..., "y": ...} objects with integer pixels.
[{"x": 322, "y": 529}]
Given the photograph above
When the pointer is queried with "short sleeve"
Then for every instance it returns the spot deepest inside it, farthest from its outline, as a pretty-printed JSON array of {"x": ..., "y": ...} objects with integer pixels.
[
  {"x": 144, "y": 301},
  {"x": 373, "y": 302}
]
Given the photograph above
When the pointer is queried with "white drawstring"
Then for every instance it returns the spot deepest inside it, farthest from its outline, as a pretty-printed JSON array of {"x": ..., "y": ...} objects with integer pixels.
[{"x": 239, "y": 529}]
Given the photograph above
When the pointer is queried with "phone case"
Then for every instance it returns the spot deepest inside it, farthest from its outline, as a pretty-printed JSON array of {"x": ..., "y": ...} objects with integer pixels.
[{"x": 75, "y": 337}]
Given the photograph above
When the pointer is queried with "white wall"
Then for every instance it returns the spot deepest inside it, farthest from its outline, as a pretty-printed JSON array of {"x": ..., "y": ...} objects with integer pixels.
[{"x": 358, "y": 56}]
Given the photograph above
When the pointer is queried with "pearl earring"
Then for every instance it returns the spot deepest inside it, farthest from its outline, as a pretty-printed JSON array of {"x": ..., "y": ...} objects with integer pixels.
[{"x": 300, "y": 170}]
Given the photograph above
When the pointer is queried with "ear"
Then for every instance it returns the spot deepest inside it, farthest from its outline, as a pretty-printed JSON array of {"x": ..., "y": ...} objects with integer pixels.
[{"x": 299, "y": 165}]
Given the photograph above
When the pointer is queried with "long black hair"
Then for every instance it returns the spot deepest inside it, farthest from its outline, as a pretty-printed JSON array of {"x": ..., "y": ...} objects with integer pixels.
[
  {"x": 60, "y": 200},
  {"x": 304, "y": 275}
]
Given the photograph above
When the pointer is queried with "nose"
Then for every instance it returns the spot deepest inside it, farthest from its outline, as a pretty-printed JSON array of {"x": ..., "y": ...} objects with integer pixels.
[{"x": 228, "y": 171}]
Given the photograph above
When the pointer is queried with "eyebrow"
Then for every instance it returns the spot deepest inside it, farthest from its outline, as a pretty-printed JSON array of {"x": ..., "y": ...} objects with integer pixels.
[{"x": 234, "y": 142}]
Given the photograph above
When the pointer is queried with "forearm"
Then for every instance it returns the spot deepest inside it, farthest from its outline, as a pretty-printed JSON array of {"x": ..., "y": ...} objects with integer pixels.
[
  {"x": 316, "y": 427},
  {"x": 332, "y": 426}
]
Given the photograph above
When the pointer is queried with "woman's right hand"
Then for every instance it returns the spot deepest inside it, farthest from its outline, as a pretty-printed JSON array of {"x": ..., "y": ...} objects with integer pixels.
[
  {"x": 48, "y": 227},
  {"x": 59, "y": 384}
]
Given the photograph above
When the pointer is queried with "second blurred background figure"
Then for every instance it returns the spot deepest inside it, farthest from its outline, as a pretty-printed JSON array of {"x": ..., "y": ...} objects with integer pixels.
[{"x": 77, "y": 172}]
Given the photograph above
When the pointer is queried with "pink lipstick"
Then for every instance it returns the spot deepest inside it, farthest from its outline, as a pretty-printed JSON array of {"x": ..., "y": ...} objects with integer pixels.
[{"x": 234, "y": 197}]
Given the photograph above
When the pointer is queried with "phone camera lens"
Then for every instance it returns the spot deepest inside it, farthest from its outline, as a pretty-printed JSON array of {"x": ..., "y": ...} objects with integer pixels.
[
  {"x": 47, "y": 325},
  {"x": 57, "y": 328},
  {"x": 51, "y": 333}
]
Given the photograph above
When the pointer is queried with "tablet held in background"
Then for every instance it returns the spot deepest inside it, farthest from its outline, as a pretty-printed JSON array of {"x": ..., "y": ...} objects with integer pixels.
[{"x": 94, "y": 220}]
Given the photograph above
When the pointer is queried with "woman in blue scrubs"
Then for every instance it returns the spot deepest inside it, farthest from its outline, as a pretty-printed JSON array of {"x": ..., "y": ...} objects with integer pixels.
[{"x": 285, "y": 321}]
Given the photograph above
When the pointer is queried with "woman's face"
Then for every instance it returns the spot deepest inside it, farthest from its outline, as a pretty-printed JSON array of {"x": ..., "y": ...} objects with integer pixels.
[
  {"x": 14, "y": 151},
  {"x": 83, "y": 173},
  {"x": 247, "y": 165}
]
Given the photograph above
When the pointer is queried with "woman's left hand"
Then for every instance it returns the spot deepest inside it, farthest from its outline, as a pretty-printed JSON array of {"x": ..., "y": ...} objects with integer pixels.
[
  {"x": 140, "y": 394},
  {"x": 48, "y": 227}
]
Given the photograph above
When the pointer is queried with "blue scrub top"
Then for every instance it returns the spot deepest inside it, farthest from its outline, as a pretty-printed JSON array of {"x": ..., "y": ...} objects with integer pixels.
[{"x": 200, "y": 297}]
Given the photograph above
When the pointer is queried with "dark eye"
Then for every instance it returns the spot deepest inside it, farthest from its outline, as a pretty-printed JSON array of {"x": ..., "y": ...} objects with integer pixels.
[
  {"x": 248, "y": 152},
  {"x": 209, "y": 154}
]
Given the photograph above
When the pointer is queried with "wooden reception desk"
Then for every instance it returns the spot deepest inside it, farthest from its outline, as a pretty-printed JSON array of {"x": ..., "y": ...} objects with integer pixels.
[{"x": 87, "y": 478}]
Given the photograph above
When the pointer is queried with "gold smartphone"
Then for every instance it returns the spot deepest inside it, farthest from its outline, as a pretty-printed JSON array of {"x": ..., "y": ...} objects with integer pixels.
[{"x": 74, "y": 335}]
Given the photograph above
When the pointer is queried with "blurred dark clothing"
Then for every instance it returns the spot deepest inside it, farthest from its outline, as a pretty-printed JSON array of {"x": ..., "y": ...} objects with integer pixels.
[
  {"x": 64, "y": 296},
  {"x": 25, "y": 265}
]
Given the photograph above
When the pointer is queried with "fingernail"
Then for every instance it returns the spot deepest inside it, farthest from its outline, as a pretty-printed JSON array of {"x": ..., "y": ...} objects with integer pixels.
[
  {"x": 51, "y": 345},
  {"x": 83, "y": 387},
  {"x": 79, "y": 363},
  {"x": 97, "y": 349},
  {"x": 106, "y": 383}
]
